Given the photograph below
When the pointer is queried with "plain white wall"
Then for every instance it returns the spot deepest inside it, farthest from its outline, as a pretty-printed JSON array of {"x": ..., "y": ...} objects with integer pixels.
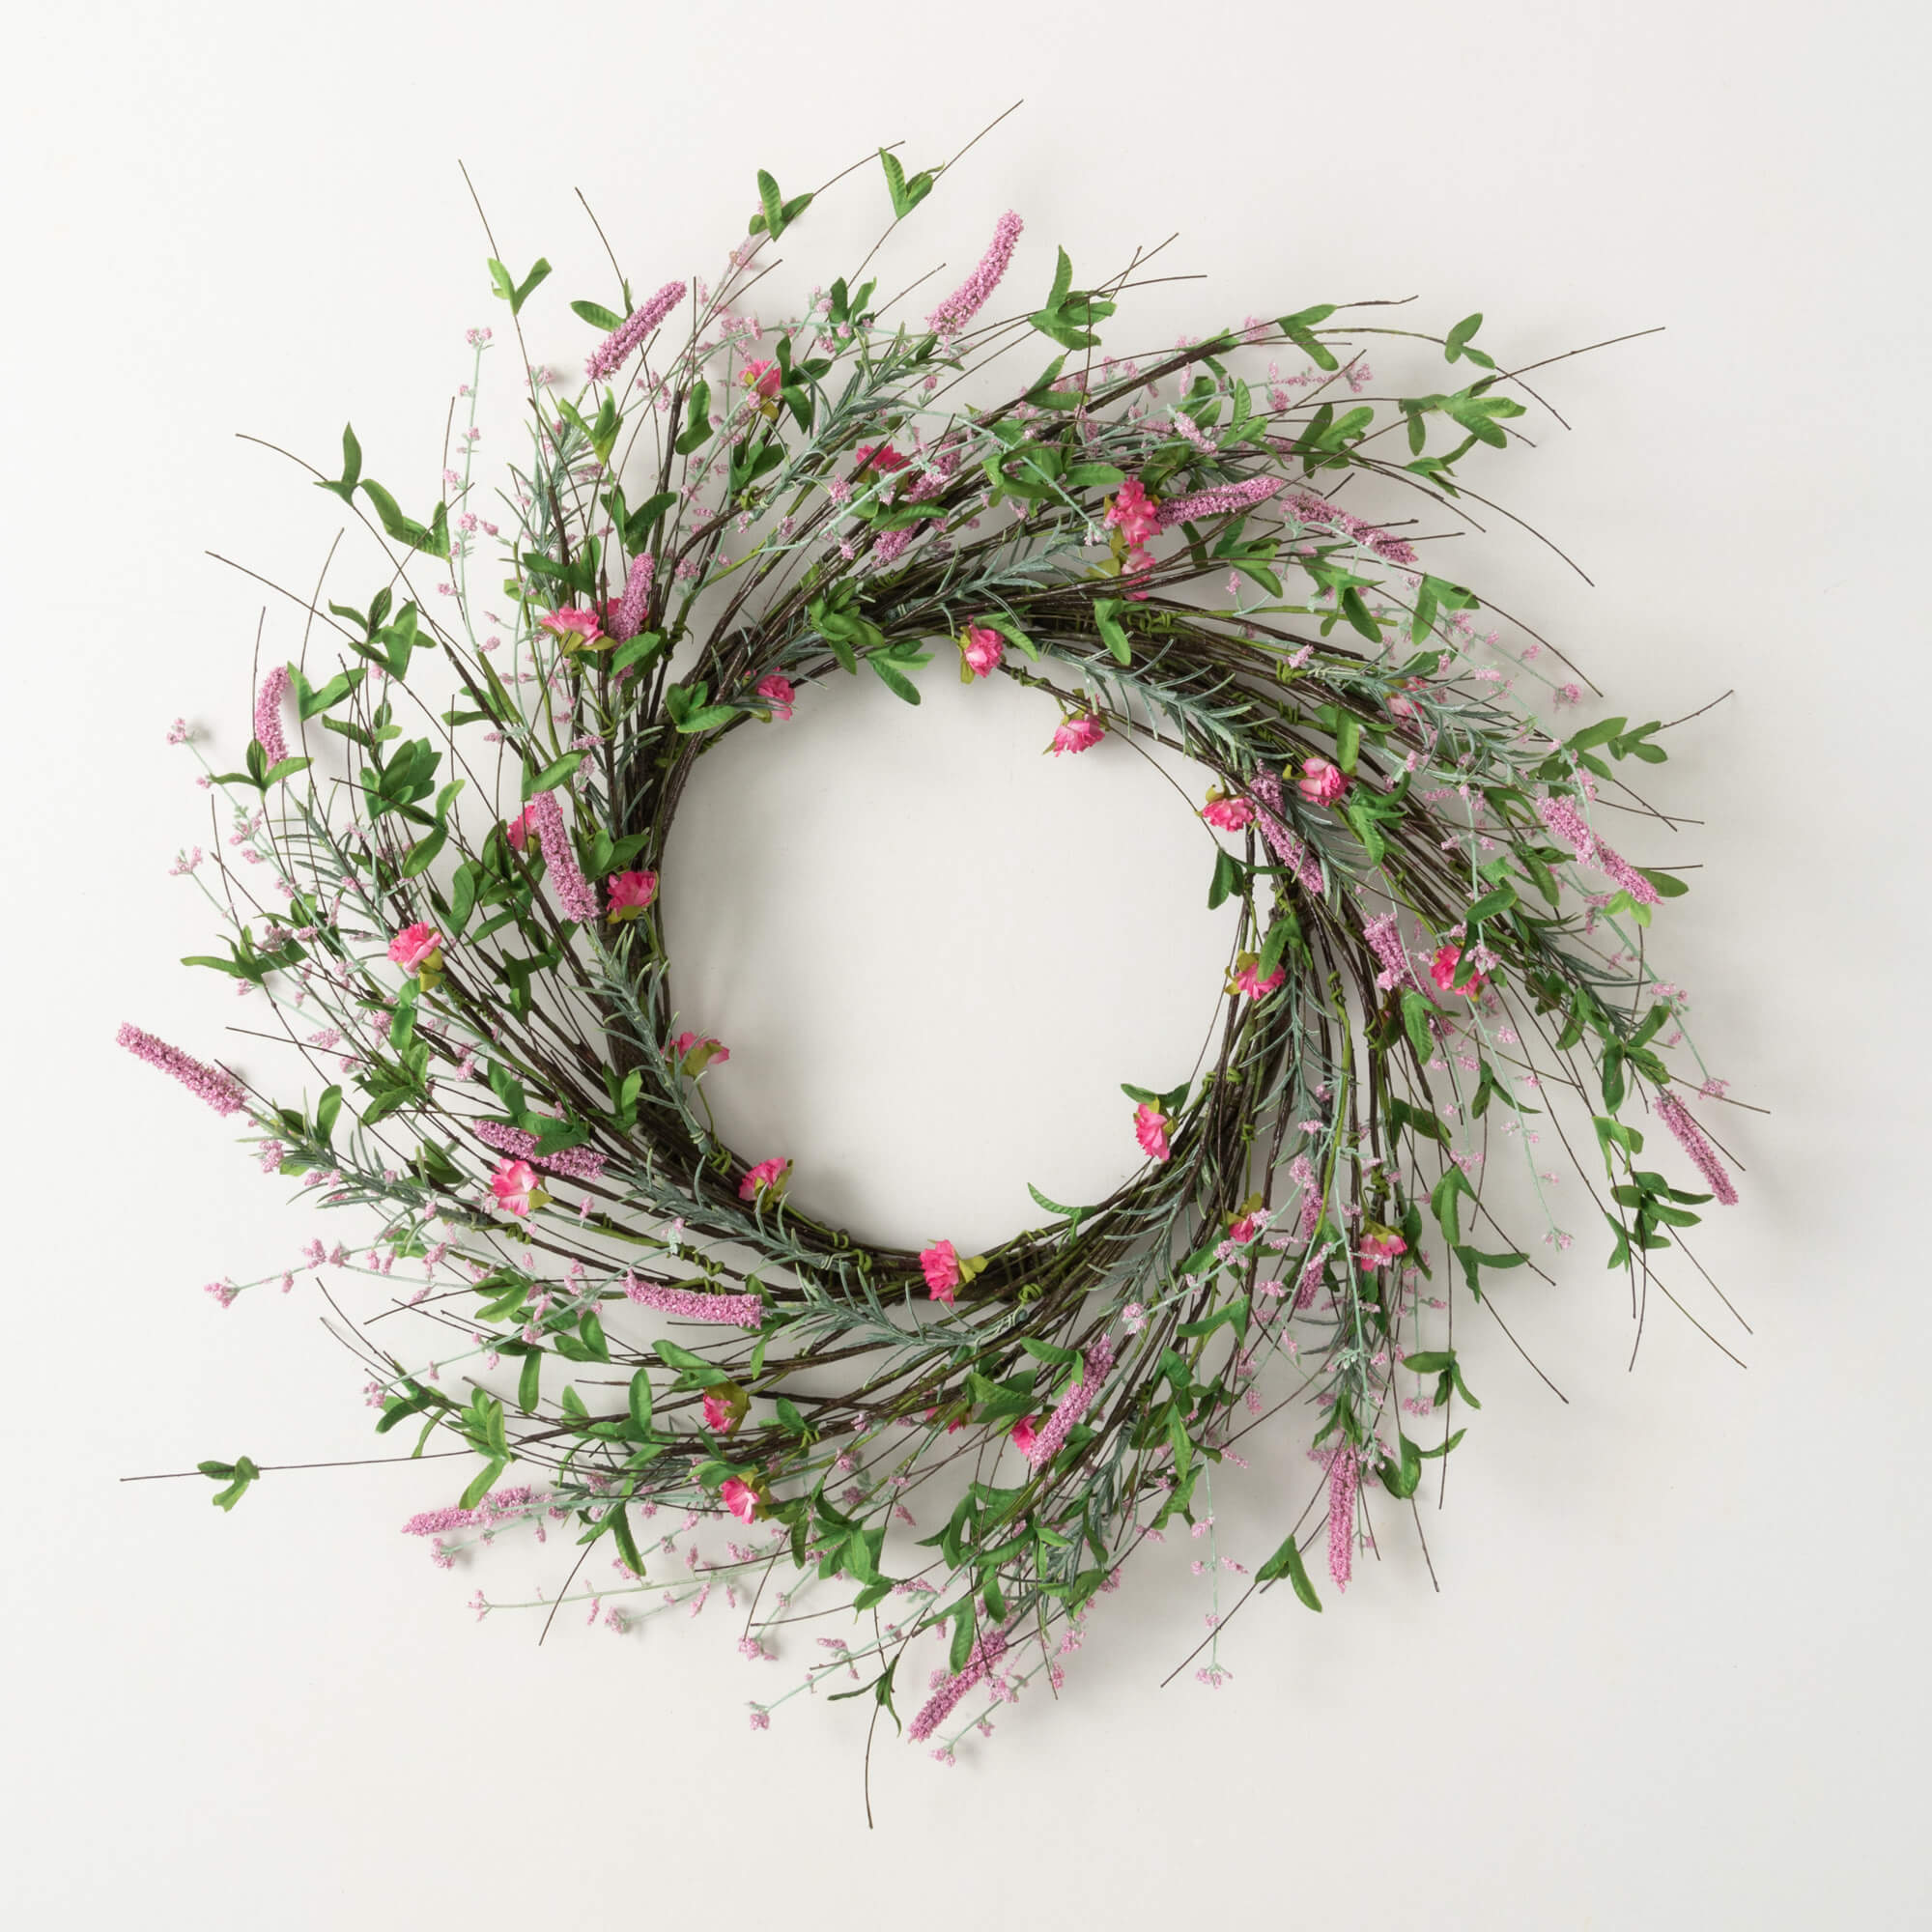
[{"x": 1676, "y": 1675}]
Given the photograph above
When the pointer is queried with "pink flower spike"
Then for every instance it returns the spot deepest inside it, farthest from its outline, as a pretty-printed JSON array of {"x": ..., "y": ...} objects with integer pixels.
[
  {"x": 769, "y": 1178},
  {"x": 740, "y": 1498},
  {"x": 610, "y": 355},
  {"x": 1077, "y": 734},
  {"x": 220, "y": 1089},
  {"x": 515, "y": 1186},
  {"x": 941, "y": 1265},
  {"x": 577, "y": 895},
  {"x": 970, "y": 297},
  {"x": 1690, "y": 1138},
  {"x": 630, "y": 893},
  {"x": 981, "y": 650},
  {"x": 624, "y": 615},
  {"x": 269, "y": 716},
  {"x": 417, "y": 949},
  {"x": 1228, "y": 814},
  {"x": 779, "y": 692},
  {"x": 1151, "y": 1127},
  {"x": 1322, "y": 781}
]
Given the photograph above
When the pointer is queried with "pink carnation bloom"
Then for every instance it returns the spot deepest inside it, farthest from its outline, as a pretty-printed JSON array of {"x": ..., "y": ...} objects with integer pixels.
[
  {"x": 982, "y": 649},
  {"x": 779, "y": 693},
  {"x": 878, "y": 459},
  {"x": 1024, "y": 1436},
  {"x": 769, "y": 1176},
  {"x": 1322, "y": 783},
  {"x": 695, "y": 1052},
  {"x": 417, "y": 946},
  {"x": 578, "y": 621},
  {"x": 1228, "y": 814},
  {"x": 515, "y": 1186},
  {"x": 1077, "y": 734},
  {"x": 763, "y": 379},
  {"x": 1243, "y": 1231},
  {"x": 1151, "y": 1127},
  {"x": 518, "y": 829},
  {"x": 1380, "y": 1247},
  {"x": 1247, "y": 977},
  {"x": 1133, "y": 513},
  {"x": 740, "y": 1498},
  {"x": 941, "y": 1263},
  {"x": 722, "y": 1412},
  {"x": 630, "y": 894},
  {"x": 1442, "y": 970}
]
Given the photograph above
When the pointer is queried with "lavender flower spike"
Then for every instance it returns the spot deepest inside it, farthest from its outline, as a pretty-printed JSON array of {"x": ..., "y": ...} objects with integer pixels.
[
  {"x": 1223, "y": 499},
  {"x": 1566, "y": 822},
  {"x": 741, "y": 1311},
  {"x": 616, "y": 349},
  {"x": 220, "y": 1090},
  {"x": 627, "y": 614},
  {"x": 577, "y": 895},
  {"x": 269, "y": 716},
  {"x": 934, "y": 1712},
  {"x": 1690, "y": 1138},
  {"x": 970, "y": 297},
  {"x": 1072, "y": 1405}
]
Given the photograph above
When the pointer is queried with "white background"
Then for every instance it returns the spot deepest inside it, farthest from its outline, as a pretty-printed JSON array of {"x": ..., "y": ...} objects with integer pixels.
[{"x": 1676, "y": 1673}]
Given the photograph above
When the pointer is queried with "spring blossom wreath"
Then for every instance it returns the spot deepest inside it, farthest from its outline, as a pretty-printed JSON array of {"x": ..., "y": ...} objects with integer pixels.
[{"x": 442, "y": 870}]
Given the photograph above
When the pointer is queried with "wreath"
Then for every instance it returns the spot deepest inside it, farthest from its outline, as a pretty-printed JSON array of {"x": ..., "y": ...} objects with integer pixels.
[{"x": 439, "y": 873}]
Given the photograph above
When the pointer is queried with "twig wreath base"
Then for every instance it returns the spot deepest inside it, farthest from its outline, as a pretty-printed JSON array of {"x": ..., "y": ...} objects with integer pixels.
[{"x": 444, "y": 892}]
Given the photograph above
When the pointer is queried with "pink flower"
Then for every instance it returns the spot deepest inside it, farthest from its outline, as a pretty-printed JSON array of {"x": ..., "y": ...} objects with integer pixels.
[
  {"x": 725, "y": 1408},
  {"x": 578, "y": 621},
  {"x": 695, "y": 1052},
  {"x": 769, "y": 1176},
  {"x": 630, "y": 894},
  {"x": 1442, "y": 970},
  {"x": 1133, "y": 513},
  {"x": 616, "y": 349},
  {"x": 518, "y": 829},
  {"x": 878, "y": 459},
  {"x": 1077, "y": 734},
  {"x": 740, "y": 1498},
  {"x": 1246, "y": 976},
  {"x": 515, "y": 1187},
  {"x": 417, "y": 949},
  {"x": 1379, "y": 1246},
  {"x": 941, "y": 1263},
  {"x": 1228, "y": 814},
  {"x": 982, "y": 649},
  {"x": 1322, "y": 783},
  {"x": 1243, "y": 1231},
  {"x": 1025, "y": 1436},
  {"x": 764, "y": 380},
  {"x": 1151, "y": 1127},
  {"x": 777, "y": 692}
]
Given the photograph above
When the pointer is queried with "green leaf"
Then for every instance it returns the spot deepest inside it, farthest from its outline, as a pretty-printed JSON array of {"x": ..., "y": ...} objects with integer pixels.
[
  {"x": 640, "y": 1402},
  {"x": 1113, "y": 634},
  {"x": 483, "y": 1484},
  {"x": 1286, "y": 1562},
  {"x": 351, "y": 467},
  {"x": 1227, "y": 880},
  {"x": 530, "y": 1384},
  {"x": 327, "y": 1109},
  {"x": 893, "y": 679},
  {"x": 598, "y": 316},
  {"x": 1417, "y": 1015},
  {"x": 551, "y": 776}
]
